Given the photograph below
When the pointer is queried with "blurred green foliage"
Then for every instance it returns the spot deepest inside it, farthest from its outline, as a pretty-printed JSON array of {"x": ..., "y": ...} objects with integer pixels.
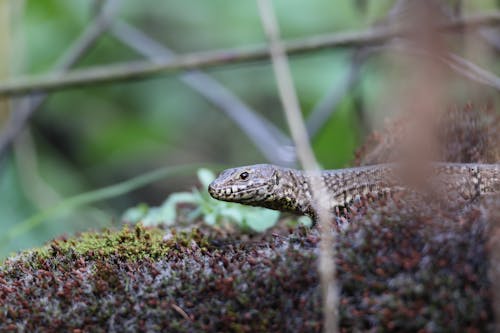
[
  {"x": 87, "y": 138},
  {"x": 211, "y": 211}
]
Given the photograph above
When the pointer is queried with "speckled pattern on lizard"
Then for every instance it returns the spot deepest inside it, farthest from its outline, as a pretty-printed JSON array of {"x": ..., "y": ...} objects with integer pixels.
[{"x": 288, "y": 190}]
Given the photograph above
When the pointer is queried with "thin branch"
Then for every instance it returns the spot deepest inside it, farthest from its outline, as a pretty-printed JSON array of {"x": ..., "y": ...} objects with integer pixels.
[
  {"x": 270, "y": 140},
  {"x": 327, "y": 106},
  {"x": 285, "y": 86},
  {"x": 489, "y": 35},
  {"x": 306, "y": 155},
  {"x": 492, "y": 37},
  {"x": 456, "y": 63},
  {"x": 96, "y": 28},
  {"x": 26, "y": 107},
  {"x": 144, "y": 69},
  {"x": 471, "y": 70}
]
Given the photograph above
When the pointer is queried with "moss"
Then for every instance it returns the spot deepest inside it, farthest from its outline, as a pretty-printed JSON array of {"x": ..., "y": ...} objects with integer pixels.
[
  {"x": 404, "y": 271},
  {"x": 400, "y": 267},
  {"x": 130, "y": 243}
]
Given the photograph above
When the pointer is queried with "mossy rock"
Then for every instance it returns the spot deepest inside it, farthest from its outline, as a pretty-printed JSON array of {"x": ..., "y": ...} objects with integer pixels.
[{"x": 397, "y": 270}]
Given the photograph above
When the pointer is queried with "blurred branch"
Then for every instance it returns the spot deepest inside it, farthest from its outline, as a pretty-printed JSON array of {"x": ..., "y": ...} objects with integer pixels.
[
  {"x": 327, "y": 106},
  {"x": 456, "y": 63},
  {"x": 35, "y": 188},
  {"x": 305, "y": 153},
  {"x": 144, "y": 69},
  {"x": 270, "y": 140},
  {"x": 491, "y": 36},
  {"x": 101, "y": 194},
  {"x": 471, "y": 70},
  {"x": 25, "y": 107}
]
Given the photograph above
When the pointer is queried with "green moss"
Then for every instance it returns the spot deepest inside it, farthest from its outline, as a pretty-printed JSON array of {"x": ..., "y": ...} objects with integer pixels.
[{"x": 129, "y": 243}]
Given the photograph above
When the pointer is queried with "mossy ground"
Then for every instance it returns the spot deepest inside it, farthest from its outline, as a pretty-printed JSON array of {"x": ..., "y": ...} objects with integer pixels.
[
  {"x": 400, "y": 268},
  {"x": 398, "y": 272}
]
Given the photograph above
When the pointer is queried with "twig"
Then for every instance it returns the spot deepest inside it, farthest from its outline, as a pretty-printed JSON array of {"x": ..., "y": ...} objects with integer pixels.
[
  {"x": 460, "y": 65},
  {"x": 306, "y": 156},
  {"x": 269, "y": 139},
  {"x": 26, "y": 107},
  {"x": 491, "y": 36},
  {"x": 180, "y": 311},
  {"x": 471, "y": 70},
  {"x": 144, "y": 69},
  {"x": 94, "y": 196},
  {"x": 327, "y": 106},
  {"x": 456, "y": 63}
]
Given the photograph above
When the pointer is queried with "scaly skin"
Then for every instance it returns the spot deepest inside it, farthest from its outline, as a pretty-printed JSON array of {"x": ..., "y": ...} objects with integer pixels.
[{"x": 288, "y": 190}]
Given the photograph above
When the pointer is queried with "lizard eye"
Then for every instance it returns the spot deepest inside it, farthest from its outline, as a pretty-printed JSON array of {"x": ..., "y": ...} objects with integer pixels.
[{"x": 244, "y": 175}]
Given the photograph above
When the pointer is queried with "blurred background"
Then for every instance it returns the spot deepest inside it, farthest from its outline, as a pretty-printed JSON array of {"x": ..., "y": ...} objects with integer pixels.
[{"x": 73, "y": 140}]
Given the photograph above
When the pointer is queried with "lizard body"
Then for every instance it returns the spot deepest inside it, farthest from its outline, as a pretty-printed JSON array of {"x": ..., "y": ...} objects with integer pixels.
[{"x": 288, "y": 190}]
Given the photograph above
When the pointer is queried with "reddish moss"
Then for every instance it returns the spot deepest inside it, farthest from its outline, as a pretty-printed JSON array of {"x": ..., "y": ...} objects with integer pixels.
[{"x": 398, "y": 270}]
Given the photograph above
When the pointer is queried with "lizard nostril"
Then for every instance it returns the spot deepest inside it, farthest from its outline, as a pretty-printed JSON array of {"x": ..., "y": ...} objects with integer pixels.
[{"x": 211, "y": 189}]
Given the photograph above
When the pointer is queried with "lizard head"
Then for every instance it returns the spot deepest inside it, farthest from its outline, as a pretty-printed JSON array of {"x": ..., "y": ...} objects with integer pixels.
[{"x": 251, "y": 185}]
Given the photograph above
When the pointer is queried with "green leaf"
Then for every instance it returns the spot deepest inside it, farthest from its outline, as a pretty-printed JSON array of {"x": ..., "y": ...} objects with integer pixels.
[
  {"x": 210, "y": 219},
  {"x": 305, "y": 220},
  {"x": 206, "y": 177},
  {"x": 135, "y": 214},
  {"x": 234, "y": 213},
  {"x": 261, "y": 219},
  {"x": 211, "y": 210},
  {"x": 168, "y": 211}
]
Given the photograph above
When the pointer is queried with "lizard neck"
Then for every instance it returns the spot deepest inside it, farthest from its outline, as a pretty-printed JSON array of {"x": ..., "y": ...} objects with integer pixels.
[{"x": 291, "y": 193}]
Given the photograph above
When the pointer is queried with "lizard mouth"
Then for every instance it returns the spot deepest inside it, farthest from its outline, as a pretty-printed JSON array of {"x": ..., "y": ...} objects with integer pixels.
[{"x": 239, "y": 193}]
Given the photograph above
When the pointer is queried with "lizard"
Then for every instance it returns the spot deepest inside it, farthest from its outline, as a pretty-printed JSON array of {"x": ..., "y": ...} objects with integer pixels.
[{"x": 288, "y": 190}]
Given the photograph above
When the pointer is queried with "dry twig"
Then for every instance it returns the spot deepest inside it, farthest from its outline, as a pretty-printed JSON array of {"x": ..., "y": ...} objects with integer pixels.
[{"x": 306, "y": 156}]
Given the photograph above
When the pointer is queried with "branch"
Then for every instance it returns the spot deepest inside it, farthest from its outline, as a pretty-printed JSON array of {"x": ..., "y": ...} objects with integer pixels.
[
  {"x": 26, "y": 107},
  {"x": 454, "y": 62},
  {"x": 288, "y": 95},
  {"x": 145, "y": 69},
  {"x": 489, "y": 35},
  {"x": 328, "y": 105},
  {"x": 269, "y": 139}
]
